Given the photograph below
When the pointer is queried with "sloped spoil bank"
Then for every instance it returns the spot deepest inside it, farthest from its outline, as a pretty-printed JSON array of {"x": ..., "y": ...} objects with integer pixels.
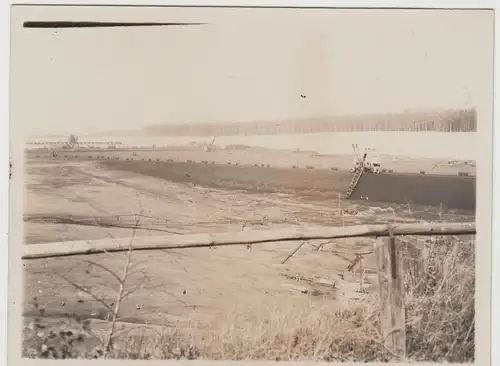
[{"x": 450, "y": 191}]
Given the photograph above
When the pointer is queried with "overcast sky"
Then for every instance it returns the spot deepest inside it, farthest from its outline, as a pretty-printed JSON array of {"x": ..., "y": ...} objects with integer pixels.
[{"x": 247, "y": 64}]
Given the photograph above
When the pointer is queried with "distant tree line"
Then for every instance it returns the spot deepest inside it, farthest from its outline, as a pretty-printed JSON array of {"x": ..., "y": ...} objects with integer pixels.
[{"x": 463, "y": 120}]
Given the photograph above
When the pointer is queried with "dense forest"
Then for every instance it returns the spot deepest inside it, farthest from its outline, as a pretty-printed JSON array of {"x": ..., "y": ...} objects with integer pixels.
[{"x": 463, "y": 120}]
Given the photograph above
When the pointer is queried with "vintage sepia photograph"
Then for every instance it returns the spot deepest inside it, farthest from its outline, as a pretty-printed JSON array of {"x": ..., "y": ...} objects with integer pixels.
[{"x": 251, "y": 184}]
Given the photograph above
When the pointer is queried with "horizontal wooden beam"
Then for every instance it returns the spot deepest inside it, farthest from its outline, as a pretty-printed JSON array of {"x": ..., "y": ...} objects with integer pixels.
[{"x": 87, "y": 247}]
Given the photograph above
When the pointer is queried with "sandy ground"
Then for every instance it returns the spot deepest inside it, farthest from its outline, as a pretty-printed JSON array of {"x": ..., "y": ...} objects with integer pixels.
[{"x": 191, "y": 288}]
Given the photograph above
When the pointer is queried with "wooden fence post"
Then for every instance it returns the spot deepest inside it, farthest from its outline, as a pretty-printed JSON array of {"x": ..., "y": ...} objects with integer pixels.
[{"x": 391, "y": 281}]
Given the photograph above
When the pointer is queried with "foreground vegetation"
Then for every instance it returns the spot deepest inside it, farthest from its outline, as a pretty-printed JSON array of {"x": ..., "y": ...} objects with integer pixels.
[{"x": 440, "y": 286}]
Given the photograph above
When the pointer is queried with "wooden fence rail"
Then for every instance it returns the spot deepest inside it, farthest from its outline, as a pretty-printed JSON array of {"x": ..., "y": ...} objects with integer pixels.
[{"x": 87, "y": 247}]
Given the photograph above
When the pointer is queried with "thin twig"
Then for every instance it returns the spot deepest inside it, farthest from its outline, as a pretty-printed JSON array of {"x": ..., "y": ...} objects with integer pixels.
[
  {"x": 78, "y": 287},
  {"x": 103, "y": 268},
  {"x": 293, "y": 253},
  {"x": 119, "y": 298}
]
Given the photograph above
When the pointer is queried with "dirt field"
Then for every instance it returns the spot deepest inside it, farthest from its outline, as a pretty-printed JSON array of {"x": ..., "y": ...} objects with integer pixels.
[{"x": 71, "y": 199}]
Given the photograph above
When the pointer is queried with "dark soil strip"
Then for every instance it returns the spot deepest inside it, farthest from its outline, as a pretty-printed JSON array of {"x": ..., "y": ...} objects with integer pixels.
[
  {"x": 251, "y": 179},
  {"x": 452, "y": 192}
]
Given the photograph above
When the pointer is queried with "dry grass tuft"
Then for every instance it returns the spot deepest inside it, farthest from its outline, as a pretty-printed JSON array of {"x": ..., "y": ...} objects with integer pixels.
[
  {"x": 295, "y": 333},
  {"x": 440, "y": 292}
]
